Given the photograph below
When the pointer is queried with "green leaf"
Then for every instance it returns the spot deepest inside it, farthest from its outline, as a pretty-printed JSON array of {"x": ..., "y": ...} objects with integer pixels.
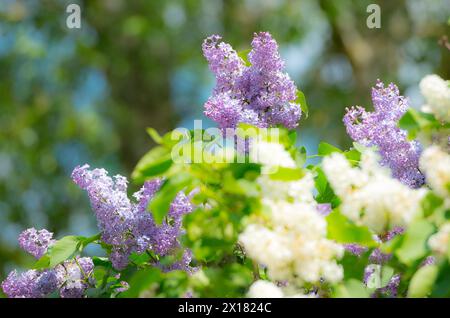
[
  {"x": 287, "y": 174},
  {"x": 352, "y": 288},
  {"x": 353, "y": 155},
  {"x": 386, "y": 274},
  {"x": 430, "y": 203},
  {"x": 301, "y": 99},
  {"x": 85, "y": 241},
  {"x": 415, "y": 121},
  {"x": 244, "y": 56},
  {"x": 240, "y": 187},
  {"x": 300, "y": 156},
  {"x": 141, "y": 281},
  {"x": 63, "y": 249},
  {"x": 101, "y": 261},
  {"x": 160, "y": 204},
  {"x": 326, "y": 149},
  {"x": 42, "y": 263},
  {"x": 343, "y": 230},
  {"x": 422, "y": 282},
  {"x": 441, "y": 287},
  {"x": 154, "y": 163},
  {"x": 155, "y": 135},
  {"x": 414, "y": 242},
  {"x": 292, "y": 135}
]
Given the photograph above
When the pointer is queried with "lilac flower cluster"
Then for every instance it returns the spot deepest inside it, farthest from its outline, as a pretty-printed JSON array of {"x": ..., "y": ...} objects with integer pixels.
[
  {"x": 30, "y": 284},
  {"x": 36, "y": 242},
  {"x": 70, "y": 278},
  {"x": 126, "y": 225},
  {"x": 260, "y": 94},
  {"x": 355, "y": 249},
  {"x": 390, "y": 290},
  {"x": 74, "y": 277},
  {"x": 380, "y": 129}
]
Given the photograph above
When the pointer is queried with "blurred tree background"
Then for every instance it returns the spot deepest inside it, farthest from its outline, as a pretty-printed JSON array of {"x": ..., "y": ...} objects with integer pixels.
[{"x": 70, "y": 96}]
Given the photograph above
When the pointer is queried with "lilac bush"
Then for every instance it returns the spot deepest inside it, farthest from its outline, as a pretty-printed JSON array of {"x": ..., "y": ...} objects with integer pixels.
[{"x": 371, "y": 221}]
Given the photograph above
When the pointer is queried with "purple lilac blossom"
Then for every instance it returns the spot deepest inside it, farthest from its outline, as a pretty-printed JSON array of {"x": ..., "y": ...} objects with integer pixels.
[
  {"x": 260, "y": 94},
  {"x": 378, "y": 257},
  {"x": 324, "y": 208},
  {"x": 429, "y": 260},
  {"x": 74, "y": 277},
  {"x": 391, "y": 289},
  {"x": 30, "y": 284},
  {"x": 36, "y": 242},
  {"x": 127, "y": 225},
  {"x": 124, "y": 287},
  {"x": 188, "y": 294},
  {"x": 355, "y": 249},
  {"x": 380, "y": 129},
  {"x": 368, "y": 272},
  {"x": 392, "y": 233},
  {"x": 184, "y": 264}
]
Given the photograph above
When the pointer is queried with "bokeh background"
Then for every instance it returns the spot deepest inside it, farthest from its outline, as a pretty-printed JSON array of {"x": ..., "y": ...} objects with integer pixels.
[{"x": 86, "y": 95}]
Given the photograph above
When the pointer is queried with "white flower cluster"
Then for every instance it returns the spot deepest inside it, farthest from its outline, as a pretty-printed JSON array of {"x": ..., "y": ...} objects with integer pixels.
[
  {"x": 370, "y": 196},
  {"x": 292, "y": 244},
  {"x": 266, "y": 289},
  {"x": 440, "y": 242},
  {"x": 437, "y": 95},
  {"x": 271, "y": 155},
  {"x": 435, "y": 163}
]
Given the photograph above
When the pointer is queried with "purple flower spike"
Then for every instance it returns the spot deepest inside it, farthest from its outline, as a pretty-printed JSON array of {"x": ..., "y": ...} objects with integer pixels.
[
  {"x": 378, "y": 257},
  {"x": 36, "y": 242},
  {"x": 398, "y": 230},
  {"x": 30, "y": 284},
  {"x": 380, "y": 129},
  {"x": 391, "y": 289},
  {"x": 126, "y": 224},
  {"x": 355, "y": 249},
  {"x": 259, "y": 94},
  {"x": 324, "y": 209}
]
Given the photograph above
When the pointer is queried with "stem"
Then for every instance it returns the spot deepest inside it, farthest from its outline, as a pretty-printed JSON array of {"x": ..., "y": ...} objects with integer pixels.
[{"x": 256, "y": 271}]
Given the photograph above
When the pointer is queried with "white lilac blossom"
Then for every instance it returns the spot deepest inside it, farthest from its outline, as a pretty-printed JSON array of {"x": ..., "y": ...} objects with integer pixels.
[
  {"x": 30, "y": 284},
  {"x": 36, "y": 242},
  {"x": 266, "y": 289},
  {"x": 435, "y": 163},
  {"x": 292, "y": 244},
  {"x": 260, "y": 94},
  {"x": 380, "y": 128},
  {"x": 437, "y": 96},
  {"x": 439, "y": 242},
  {"x": 370, "y": 196},
  {"x": 127, "y": 225}
]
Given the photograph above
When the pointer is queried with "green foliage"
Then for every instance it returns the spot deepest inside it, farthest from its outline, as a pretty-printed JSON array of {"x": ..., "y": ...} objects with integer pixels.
[
  {"x": 325, "y": 149},
  {"x": 301, "y": 99},
  {"x": 62, "y": 250},
  {"x": 422, "y": 282},
  {"x": 160, "y": 204},
  {"x": 244, "y": 56},
  {"x": 351, "y": 288},
  {"x": 413, "y": 246},
  {"x": 342, "y": 230}
]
